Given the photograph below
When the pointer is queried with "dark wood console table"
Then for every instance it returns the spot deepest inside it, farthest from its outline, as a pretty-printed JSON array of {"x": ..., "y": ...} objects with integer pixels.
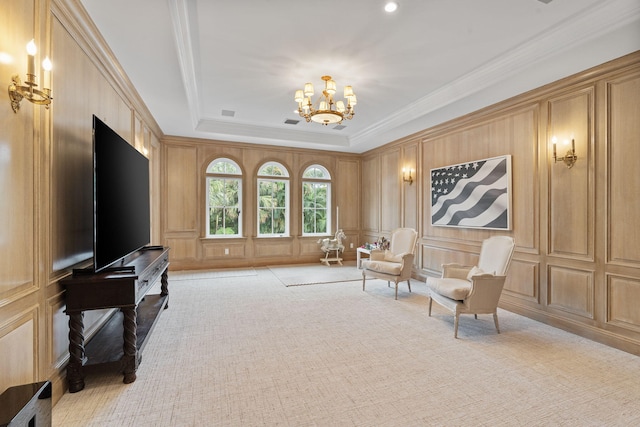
[{"x": 124, "y": 287}]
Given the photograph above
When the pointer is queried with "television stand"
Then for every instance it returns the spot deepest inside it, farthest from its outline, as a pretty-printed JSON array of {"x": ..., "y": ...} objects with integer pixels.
[
  {"x": 120, "y": 340},
  {"x": 119, "y": 269}
]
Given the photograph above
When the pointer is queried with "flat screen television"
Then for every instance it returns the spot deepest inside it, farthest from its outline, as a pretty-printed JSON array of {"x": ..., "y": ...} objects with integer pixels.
[{"x": 121, "y": 208}]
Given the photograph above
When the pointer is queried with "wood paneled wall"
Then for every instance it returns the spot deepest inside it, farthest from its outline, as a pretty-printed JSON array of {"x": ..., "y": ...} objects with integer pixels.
[
  {"x": 577, "y": 231},
  {"x": 184, "y": 202},
  {"x": 46, "y": 179}
]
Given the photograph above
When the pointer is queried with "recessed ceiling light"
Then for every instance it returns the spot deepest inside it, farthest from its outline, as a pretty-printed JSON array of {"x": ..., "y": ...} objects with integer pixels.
[{"x": 391, "y": 6}]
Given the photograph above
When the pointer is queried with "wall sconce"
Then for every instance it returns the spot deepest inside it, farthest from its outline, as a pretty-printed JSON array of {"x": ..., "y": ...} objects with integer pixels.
[
  {"x": 18, "y": 92},
  {"x": 404, "y": 177},
  {"x": 570, "y": 158}
]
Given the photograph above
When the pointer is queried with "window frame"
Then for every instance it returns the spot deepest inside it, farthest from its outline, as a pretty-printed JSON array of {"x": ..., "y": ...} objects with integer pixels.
[
  {"x": 225, "y": 176},
  {"x": 326, "y": 179},
  {"x": 271, "y": 178}
]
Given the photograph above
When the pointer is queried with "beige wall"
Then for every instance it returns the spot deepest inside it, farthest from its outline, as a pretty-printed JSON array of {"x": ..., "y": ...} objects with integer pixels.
[{"x": 577, "y": 260}]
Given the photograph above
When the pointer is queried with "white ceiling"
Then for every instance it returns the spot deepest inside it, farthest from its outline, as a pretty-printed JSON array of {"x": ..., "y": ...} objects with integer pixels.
[{"x": 430, "y": 61}]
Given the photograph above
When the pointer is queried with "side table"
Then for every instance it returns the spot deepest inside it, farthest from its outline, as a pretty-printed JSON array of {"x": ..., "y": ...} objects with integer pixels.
[{"x": 359, "y": 253}]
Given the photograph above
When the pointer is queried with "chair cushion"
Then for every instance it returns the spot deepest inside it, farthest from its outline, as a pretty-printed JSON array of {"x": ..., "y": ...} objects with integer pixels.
[
  {"x": 457, "y": 289},
  {"x": 393, "y": 268}
]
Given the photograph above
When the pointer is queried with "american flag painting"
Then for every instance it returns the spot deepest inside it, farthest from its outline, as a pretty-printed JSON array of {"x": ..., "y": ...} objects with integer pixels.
[{"x": 474, "y": 194}]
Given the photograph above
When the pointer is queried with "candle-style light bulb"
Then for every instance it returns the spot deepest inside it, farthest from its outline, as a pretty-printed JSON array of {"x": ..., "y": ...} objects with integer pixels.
[
  {"x": 46, "y": 64},
  {"x": 31, "y": 51},
  {"x": 31, "y": 48}
]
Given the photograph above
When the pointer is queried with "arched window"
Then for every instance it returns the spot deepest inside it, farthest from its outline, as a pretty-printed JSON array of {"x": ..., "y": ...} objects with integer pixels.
[
  {"x": 273, "y": 200},
  {"x": 224, "y": 198},
  {"x": 316, "y": 201}
]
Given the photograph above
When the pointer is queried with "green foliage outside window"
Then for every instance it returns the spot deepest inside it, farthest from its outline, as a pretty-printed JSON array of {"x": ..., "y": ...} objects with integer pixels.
[
  {"x": 224, "y": 208},
  {"x": 224, "y": 198},
  {"x": 272, "y": 207},
  {"x": 316, "y": 193},
  {"x": 314, "y": 207}
]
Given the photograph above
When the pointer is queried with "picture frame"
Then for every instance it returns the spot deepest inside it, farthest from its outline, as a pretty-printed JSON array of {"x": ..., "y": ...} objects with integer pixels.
[{"x": 475, "y": 194}]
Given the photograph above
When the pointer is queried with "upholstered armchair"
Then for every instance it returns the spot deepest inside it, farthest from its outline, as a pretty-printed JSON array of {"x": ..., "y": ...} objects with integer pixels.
[
  {"x": 395, "y": 263},
  {"x": 474, "y": 290}
]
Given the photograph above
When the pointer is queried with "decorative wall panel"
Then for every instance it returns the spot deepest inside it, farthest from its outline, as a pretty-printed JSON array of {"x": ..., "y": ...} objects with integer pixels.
[
  {"x": 390, "y": 200},
  {"x": 513, "y": 133},
  {"x": 523, "y": 281},
  {"x": 182, "y": 248},
  {"x": 58, "y": 322},
  {"x": 273, "y": 249},
  {"x": 182, "y": 174},
  {"x": 347, "y": 176},
  {"x": 18, "y": 349},
  {"x": 624, "y": 179},
  {"x": 572, "y": 209},
  {"x": 411, "y": 199},
  {"x": 371, "y": 195},
  {"x": 571, "y": 290},
  {"x": 222, "y": 249},
  {"x": 623, "y": 295}
]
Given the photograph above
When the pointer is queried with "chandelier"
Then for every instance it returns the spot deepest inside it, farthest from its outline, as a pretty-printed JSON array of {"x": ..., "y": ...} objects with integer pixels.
[{"x": 325, "y": 110}]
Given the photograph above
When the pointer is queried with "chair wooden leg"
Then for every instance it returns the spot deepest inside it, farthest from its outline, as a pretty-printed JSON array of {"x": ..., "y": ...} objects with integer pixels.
[
  {"x": 363, "y": 280},
  {"x": 396, "y": 290},
  {"x": 455, "y": 325},
  {"x": 495, "y": 320},
  {"x": 409, "y": 284},
  {"x": 476, "y": 316},
  {"x": 430, "y": 304}
]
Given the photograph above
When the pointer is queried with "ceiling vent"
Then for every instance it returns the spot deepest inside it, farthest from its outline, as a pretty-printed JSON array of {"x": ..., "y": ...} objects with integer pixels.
[
  {"x": 291, "y": 122},
  {"x": 339, "y": 127},
  {"x": 228, "y": 113}
]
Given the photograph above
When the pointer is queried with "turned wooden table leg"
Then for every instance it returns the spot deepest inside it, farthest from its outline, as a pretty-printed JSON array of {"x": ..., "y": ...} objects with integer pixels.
[
  {"x": 75, "y": 376},
  {"x": 130, "y": 348},
  {"x": 164, "y": 286}
]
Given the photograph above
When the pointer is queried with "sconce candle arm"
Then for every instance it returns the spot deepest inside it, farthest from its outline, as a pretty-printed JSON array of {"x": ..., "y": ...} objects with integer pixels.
[
  {"x": 17, "y": 92},
  {"x": 570, "y": 158}
]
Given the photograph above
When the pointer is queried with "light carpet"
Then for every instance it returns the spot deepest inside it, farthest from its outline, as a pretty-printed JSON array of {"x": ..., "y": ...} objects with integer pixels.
[
  {"x": 248, "y": 351},
  {"x": 215, "y": 274},
  {"x": 314, "y": 274}
]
